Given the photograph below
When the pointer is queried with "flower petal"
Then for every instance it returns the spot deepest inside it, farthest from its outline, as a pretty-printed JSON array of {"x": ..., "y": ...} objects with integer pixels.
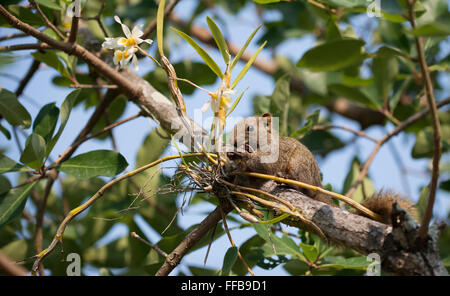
[
  {"x": 113, "y": 43},
  {"x": 137, "y": 31},
  {"x": 135, "y": 63},
  {"x": 148, "y": 41},
  {"x": 205, "y": 106},
  {"x": 117, "y": 57},
  {"x": 125, "y": 28}
]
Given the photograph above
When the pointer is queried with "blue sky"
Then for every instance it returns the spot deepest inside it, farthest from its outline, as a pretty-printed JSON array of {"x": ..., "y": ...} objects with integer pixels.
[{"x": 384, "y": 171}]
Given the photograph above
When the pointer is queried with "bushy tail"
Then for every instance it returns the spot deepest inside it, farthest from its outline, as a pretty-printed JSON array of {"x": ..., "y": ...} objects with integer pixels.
[{"x": 381, "y": 203}]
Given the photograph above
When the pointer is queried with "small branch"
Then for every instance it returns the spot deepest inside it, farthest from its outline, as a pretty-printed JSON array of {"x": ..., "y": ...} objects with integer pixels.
[
  {"x": 9, "y": 267},
  {"x": 154, "y": 247},
  {"x": 152, "y": 26},
  {"x": 437, "y": 145},
  {"x": 38, "y": 46},
  {"x": 110, "y": 127},
  {"x": 12, "y": 36},
  {"x": 98, "y": 18},
  {"x": 93, "y": 86},
  {"x": 412, "y": 119},
  {"x": 225, "y": 225},
  {"x": 24, "y": 82},
  {"x": 46, "y": 20},
  {"x": 358, "y": 133},
  {"x": 78, "y": 210},
  {"x": 174, "y": 258},
  {"x": 107, "y": 100},
  {"x": 40, "y": 217}
]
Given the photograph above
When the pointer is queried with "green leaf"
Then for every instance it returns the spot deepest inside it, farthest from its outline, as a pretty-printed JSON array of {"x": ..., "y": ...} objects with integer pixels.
[
  {"x": 228, "y": 260},
  {"x": 389, "y": 51},
  {"x": 321, "y": 142},
  {"x": 333, "y": 55},
  {"x": 276, "y": 245},
  {"x": 311, "y": 252},
  {"x": 25, "y": 15},
  {"x": 12, "y": 110},
  {"x": 220, "y": 41},
  {"x": 236, "y": 102},
  {"x": 5, "y": 185},
  {"x": 332, "y": 31},
  {"x": 353, "y": 94},
  {"x": 9, "y": 165},
  {"x": 95, "y": 163},
  {"x": 203, "y": 54},
  {"x": 160, "y": 27},
  {"x": 247, "y": 66},
  {"x": 64, "y": 113},
  {"x": 424, "y": 141},
  {"x": 311, "y": 121},
  {"x": 52, "y": 60},
  {"x": 12, "y": 204},
  {"x": 50, "y": 4},
  {"x": 242, "y": 50},
  {"x": 45, "y": 122},
  {"x": 384, "y": 70},
  {"x": 339, "y": 262},
  {"x": 34, "y": 152},
  {"x": 439, "y": 27},
  {"x": 152, "y": 148},
  {"x": 5, "y": 132}
]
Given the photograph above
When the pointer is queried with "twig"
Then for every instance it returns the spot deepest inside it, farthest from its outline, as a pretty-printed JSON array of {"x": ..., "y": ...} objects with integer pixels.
[
  {"x": 12, "y": 36},
  {"x": 23, "y": 83},
  {"x": 39, "y": 46},
  {"x": 75, "y": 212},
  {"x": 174, "y": 258},
  {"x": 98, "y": 18},
  {"x": 152, "y": 26},
  {"x": 154, "y": 247},
  {"x": 358, "y": 133},
  {"x": 40, "y": 217},
  {"x": 437, "y": 145},
  {"x": 412, "y": 119},
  {"x": 46, "y": 20},
  {"x": 225, "y": 225},
  {"x": 9, "y": 267},
  {"x": 95, "y": 86}
]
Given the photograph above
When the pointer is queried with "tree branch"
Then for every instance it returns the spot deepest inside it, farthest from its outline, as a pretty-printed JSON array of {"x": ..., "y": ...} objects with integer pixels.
[
  {"x": 9, "y": 267},
  {"x": 437, "y": 145},
  {"x": 174, "y": 258}
]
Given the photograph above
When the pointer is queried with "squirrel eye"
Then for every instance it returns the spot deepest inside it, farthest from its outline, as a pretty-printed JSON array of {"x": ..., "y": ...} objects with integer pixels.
[{"x": 250, "y": 128}]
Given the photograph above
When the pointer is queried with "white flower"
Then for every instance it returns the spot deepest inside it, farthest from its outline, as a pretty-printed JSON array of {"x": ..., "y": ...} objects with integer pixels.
[
  {"x": 122, "y": 58},
  {"x": 132, "y": 37},
  {"x": 225, "y": 100}
]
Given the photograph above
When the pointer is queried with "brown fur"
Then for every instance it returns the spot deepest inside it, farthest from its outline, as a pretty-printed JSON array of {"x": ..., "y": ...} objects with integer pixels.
[
  {"x": 382, "y": 203},
  {"x": 294, "y": 161}
]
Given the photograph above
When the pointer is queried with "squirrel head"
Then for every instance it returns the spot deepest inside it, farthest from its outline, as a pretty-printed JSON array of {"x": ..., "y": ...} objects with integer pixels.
[{"x": 251, "y": 133}]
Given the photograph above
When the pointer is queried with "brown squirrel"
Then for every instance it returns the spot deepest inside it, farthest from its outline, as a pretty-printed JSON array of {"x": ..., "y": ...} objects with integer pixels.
[{"x": 255, "y": 138}]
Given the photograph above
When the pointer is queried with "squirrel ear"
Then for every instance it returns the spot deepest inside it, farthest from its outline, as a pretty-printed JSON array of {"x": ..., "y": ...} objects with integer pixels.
[{"x": 268, "y": 117}]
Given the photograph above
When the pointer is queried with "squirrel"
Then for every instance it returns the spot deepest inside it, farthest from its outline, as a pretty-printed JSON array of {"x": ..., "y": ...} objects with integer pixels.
[{"x": 255, "y": 138}]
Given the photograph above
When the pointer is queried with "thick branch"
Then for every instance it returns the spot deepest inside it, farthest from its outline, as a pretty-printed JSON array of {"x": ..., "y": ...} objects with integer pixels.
[{"x": 398, "y": 252}]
